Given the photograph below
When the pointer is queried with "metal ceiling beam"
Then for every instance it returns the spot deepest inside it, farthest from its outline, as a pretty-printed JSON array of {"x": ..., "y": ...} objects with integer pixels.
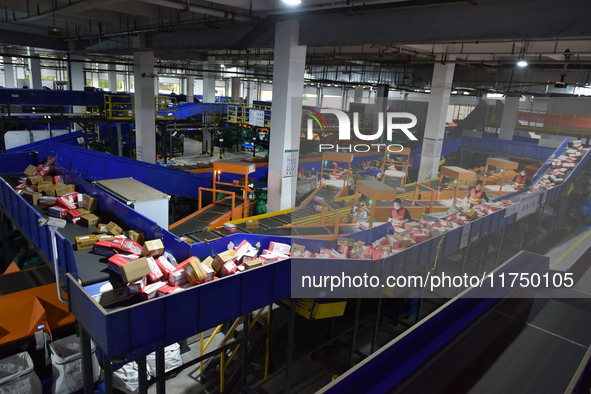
[{"x": 202, "y": 10}]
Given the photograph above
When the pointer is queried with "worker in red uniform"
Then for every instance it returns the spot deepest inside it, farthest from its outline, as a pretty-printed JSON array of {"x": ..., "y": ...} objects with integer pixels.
[
  {"x": 521, "y": 180},
  {"x": 400, "y": 213},
  {"x": 476, "y": 195}
]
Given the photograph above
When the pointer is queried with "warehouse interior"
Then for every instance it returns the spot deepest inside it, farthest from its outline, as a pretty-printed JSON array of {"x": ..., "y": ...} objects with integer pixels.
[{"x": 176, "y": 174}]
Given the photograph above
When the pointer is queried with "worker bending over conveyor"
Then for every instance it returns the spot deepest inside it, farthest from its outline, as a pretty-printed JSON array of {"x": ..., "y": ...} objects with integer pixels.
[
  {"x": 521, "y": 180},
  {"x": 399, "y": 213},
  {"x": 476, "y": 195}
]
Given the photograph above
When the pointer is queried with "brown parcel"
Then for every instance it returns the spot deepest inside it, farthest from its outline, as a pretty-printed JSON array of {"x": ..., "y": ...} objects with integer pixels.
[
  {"x": 153, "y": 248},
  {"x": 89, "y": 220},
  {"x": 35, "y": 179},
  {"x": 101, "y": 228},
  {"x": 252, "y": 224},
  {"x": 30, "y": 170},
  {"x": 135, "y": 270},
  {"x": 297, "y": 249},
  {"x": 85, "y": 242},
  {"x": 113, "y": 228},
  {"x": 208, "y": 261},
  {"x": 194, "y": 271},
  {"x": 221, "y": 259},
  {"x": 408, "y": 226},
  {"x": 105, "y": 237},
  {"x": 137, "y": 235},
  {"x": 31, "y": 197},
  {"x": 252, "y": 264},
  {"x": 89, "y": 203}
]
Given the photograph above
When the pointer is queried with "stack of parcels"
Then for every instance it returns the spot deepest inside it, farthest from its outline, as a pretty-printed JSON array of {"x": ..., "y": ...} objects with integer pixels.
[
  {"x": 149, "y": 272},
  {"x": 561, "y": 166}
]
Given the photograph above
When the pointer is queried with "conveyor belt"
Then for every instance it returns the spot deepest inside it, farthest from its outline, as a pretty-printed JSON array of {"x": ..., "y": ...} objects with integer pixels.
[
  {"x": 519, "y": 346},
  {"x": 201, "y": 221},
  {"x": 92, "y": 268}
]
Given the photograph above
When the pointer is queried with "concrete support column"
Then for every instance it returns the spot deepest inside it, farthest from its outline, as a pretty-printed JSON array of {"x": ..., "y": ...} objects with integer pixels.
[
  {"x": 112, "y": 76},
  {"x": 441, "y": 84},
  {"x": 358, "y": 95},
  {"x": 509, "y": 119},
  {"x": 209, "y": 80},
  {"x": 35, "y": 67},
  {"x": 145, "y": 106},
  {"x": 76, "y": 73},
  {"x": 9, "y": 80},
  {"x": 235, "y": 89},
  {"x": 288, "y": 89},
  {"x": 319, "y": 96},
  {"x": 344, "y": 102},
  {"x": 190, "y": 88}
]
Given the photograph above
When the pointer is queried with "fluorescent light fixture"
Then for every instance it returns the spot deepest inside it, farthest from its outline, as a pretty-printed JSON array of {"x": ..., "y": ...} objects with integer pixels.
[
  {"x": 292, "y": 2},
  {"x": 522, "y": 63},
  {"x": 223, "y": 66}
]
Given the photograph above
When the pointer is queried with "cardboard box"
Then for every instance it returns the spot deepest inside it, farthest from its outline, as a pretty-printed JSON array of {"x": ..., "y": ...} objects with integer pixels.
[
  {"x": 46, "y": 188},
  {"x": 252, "y": 224},
  {"x": 61, "y": 189},
  {"x": 114, "y": 229},
  {"x": 221, "y": 259},
  {"x": 298, "y": 250},
  {"x": 252, "y": 264},
  {"x": 208, "y": 262},
  {"x": 85, "y": 242},
  {"x": 31, "y": 197},
  {"x": 410, "y": 225},
  {"x": 470, "y": 214},
  {"x": 153, "y": 248},
  {"x": 194, "y": 271},
  {"x": 134, "y": 270},
  {"x": 137, "y": 235},
  {"x": 104, "y": 237},
  {"x": 34, "y": 180},
  {"x": 101, "y": 228},
  {"x": 89, "y": 203},
  {"x": 30, "y": 170},
  {"x": 403, "y": 241}
]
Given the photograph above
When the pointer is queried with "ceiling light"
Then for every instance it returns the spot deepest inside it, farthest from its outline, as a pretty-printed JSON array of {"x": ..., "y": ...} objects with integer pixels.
[
  {"x": 292, "y": 2},
  {"x": 223, "y": 66},
  {"x": 522, "y": 63}
]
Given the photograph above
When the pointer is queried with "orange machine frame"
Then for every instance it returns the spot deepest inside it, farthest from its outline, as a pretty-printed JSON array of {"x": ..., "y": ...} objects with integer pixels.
[
  {"x": 375, "y": 191},
  {"x": 459, "y": 174},
  {"x": 501, "y": 164}
]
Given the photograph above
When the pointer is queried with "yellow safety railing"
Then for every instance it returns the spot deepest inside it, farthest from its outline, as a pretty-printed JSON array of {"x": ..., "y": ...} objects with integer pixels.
[
  {"x": 240, "y": 113},
  {"x": 119, "y": 106},
  {"x": 224, "y": 363},
  {"x": 166, "y": 107}
]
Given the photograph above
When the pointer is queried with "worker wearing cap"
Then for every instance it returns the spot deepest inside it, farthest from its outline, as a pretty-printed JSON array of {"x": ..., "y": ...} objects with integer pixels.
[
  {"x": 476, "y": 194},
  {"x": 520, "y": 181},
  {"x": 399, "y": 212}
]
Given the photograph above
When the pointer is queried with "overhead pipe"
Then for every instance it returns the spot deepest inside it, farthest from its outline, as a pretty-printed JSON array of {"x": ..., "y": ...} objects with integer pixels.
[{"x": 186, "y": 6}]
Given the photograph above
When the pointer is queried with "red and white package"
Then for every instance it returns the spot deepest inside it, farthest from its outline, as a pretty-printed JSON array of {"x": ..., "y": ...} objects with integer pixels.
[
  {"x": 155, "y": 274},
  {"x": 68, "y": 201},
  {"x": 115, "y": 262},
  {"x": 58, "y": 212},
  {"x": 242, "y": 249},
  {"x": 73, "y": 214},
  {"x": 228, "y": 268},
  {"x": 178, "y": 276},
  {"x": 344, "y": 249},
  {"x": 149, "y": 292},
  {"x": 165, "y": 266},
  {"x": 250, "y": 255},
  {"x": 137, "y": 286},
  {"x": 167, "y": 289},
  {"x": 130, "y": 246},
  {"x": 279, "y": 248}
]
